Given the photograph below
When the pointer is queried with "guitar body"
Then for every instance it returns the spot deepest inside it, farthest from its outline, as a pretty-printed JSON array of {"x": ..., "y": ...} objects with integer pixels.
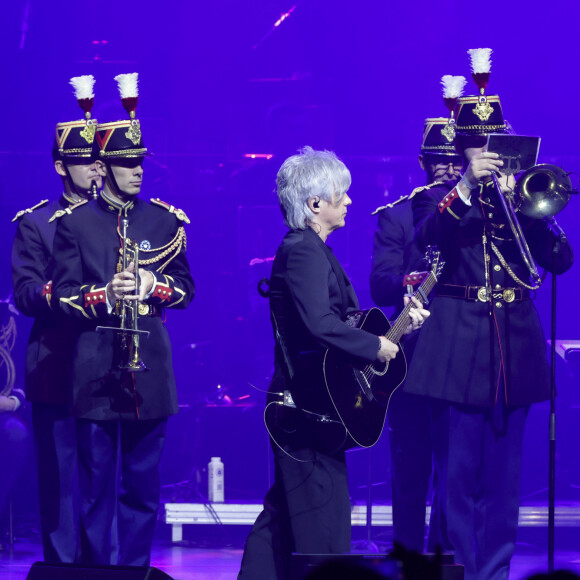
[
  {"x": 304, "y": 416},
  {"x": 360, "y": 392},
  {"x": 353, "y": 410},
  {"x": 293, "y": 430}
]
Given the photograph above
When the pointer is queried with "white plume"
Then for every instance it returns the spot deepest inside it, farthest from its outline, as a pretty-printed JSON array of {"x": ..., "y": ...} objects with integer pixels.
[
  {"x": 128, "y": 85},
  {"x": 83, "y": 86},
  {"x": 480, "y": 59},
  {"x": 453, "y": 86}
]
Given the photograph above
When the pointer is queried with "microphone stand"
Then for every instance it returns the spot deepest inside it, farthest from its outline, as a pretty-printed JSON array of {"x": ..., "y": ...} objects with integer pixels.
[{"x": 552, "y": 423}]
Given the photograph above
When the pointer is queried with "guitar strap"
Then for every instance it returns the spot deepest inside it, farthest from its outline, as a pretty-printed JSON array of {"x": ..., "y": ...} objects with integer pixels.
[
  {"x": 341, "y": 280},
  {"x": 282, "y": 344}
]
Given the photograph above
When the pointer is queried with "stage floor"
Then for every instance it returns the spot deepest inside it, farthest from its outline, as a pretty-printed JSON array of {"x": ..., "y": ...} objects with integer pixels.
[{"x": 188, "y": 561}]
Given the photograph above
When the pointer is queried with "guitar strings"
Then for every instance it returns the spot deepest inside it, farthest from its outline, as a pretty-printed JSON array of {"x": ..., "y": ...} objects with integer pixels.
[{"x": 397, "y": 330}]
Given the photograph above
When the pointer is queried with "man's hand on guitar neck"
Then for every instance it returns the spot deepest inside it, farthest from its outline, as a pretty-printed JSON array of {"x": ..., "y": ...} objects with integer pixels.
[{"x": 417, "y": 315}]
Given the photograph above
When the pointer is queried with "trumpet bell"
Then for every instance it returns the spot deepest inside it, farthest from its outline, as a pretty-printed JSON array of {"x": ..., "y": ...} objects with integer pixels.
[{"x": 543, "y": 190}]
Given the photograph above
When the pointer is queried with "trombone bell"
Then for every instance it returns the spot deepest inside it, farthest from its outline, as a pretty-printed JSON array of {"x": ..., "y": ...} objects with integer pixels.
[{"x": 543, "y": 190}]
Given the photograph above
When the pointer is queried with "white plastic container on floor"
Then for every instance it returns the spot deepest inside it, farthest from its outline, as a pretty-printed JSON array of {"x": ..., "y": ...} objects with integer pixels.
[{"x": 215, "y": 480}]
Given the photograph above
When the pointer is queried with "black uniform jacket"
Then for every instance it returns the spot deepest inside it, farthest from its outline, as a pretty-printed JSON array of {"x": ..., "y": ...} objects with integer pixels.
[
  {"x": 395, "y": 251},
  {"x": 87, "y": 252},
  {"x": 310, "y": 295},
  {"x": 396, "y": 254},
  {"x": 472, "y": 351},
  {"x": 53, "y": 336}
]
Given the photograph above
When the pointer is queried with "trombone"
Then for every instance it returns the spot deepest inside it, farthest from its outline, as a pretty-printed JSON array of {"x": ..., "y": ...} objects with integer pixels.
[
  {"x": 540, "y": 192},
  {"x": 128, "y": 312}
]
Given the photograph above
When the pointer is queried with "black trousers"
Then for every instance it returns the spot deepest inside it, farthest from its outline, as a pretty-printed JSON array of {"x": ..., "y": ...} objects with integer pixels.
[
  {"x": 56, "y": 459},
  {"x": 409, "y": 423},
  {"x": 135, "y": 499},
  {"x": 307, "y": 510}
]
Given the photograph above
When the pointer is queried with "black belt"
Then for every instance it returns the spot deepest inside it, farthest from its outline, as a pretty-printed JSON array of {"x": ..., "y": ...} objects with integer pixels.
[{"x": 479, "y": 294}]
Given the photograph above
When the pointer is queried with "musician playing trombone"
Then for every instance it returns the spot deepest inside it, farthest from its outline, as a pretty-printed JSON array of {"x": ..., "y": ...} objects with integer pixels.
[
  {"x": 482, "y": 351},
  {"x": 308, "y": 509},
  {"x": 123, "y": 384}
]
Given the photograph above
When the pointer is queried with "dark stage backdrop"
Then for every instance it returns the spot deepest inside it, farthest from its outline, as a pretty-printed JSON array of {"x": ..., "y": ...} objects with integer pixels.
[{"x": 220, "y": 80}]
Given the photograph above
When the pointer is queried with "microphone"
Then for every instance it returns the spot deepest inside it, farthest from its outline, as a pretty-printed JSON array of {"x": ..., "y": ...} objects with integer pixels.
[{"x": 555, "y": 228}]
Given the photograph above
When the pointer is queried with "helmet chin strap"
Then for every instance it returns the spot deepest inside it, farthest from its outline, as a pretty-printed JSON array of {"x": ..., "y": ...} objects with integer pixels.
[
  {"x": 73, "y": 187},
  {"x": 115, "y": 185},
  {"x": 71, "y": 183}
]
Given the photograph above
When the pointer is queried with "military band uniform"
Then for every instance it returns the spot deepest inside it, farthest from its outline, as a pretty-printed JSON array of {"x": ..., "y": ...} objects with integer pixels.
[
  {"x": 14, "y": 446},
  {"x": 485, "y": 364},
  {"x": 106, "y": 399},
  {"x": 308, "y": 509},
  {"x": 47, "y": 381},
  {"x": 395, "y": 254}
]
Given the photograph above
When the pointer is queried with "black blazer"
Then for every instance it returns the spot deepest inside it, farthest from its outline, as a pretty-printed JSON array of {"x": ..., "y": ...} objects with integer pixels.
[{"x": 310, "y": 295}]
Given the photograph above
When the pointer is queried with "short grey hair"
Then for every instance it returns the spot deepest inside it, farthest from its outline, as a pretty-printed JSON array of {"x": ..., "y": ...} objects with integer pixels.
[{"x": 308, "y": 174}]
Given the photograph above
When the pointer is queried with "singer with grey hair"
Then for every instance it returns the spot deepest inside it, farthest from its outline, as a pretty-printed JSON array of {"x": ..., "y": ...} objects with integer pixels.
[
  {"x": 311, "y": 174},
  {"x": 307, "y": 510}
]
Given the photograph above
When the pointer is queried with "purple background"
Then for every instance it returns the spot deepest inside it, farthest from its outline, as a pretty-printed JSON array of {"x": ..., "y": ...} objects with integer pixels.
[{"x": 218, "y": 81}]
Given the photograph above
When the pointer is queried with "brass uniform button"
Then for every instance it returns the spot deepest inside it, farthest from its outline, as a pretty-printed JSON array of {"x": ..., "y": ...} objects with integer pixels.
[
  {"x": 509, "y": 295},
  {"x": 497, "y": 267},
  {"x": 498, "y": 304}
]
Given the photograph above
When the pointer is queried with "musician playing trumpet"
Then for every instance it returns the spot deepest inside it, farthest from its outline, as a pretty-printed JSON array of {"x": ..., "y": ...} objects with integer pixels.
[{"x": 95, "y": 281}]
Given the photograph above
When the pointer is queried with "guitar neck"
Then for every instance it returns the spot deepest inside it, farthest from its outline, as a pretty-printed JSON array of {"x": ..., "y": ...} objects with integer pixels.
[{"x": 400, "y": 325}]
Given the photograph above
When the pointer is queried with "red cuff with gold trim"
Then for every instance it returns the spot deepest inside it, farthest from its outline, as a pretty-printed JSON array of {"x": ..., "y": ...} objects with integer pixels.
[
  {"x": 415, "y": 278},
  {"x": 47, "y": 289},
  {"x": 96, "y": 297},
  {"x": 162, "y": 292},
  {"x": 448, "y": 200}
]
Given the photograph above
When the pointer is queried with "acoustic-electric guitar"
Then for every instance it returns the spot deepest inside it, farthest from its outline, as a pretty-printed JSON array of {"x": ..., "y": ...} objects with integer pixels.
[{"x": 357, "y": 392}]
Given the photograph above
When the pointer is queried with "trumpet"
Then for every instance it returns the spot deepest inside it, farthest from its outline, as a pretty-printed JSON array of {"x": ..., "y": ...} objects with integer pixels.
[
  {"x": 128, "y": 312},
  {"x": 540, "y": 192}
]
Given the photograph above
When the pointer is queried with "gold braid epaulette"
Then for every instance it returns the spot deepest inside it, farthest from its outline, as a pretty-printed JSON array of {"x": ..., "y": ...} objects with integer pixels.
[
  {"x": 423, "y": 188},
  {"x": 60, "y": 212},
  {"x": 29, "y": 210},
  {"x": 179, "y": 213},
  {"x": 402, "y": 198},
  {"x": 170, "y": 249},
  {"x": 405, "y": 197}
]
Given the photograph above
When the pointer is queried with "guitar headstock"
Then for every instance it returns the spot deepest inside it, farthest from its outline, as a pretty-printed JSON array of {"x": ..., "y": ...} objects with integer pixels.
[{"x": 433, "y": 259}]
